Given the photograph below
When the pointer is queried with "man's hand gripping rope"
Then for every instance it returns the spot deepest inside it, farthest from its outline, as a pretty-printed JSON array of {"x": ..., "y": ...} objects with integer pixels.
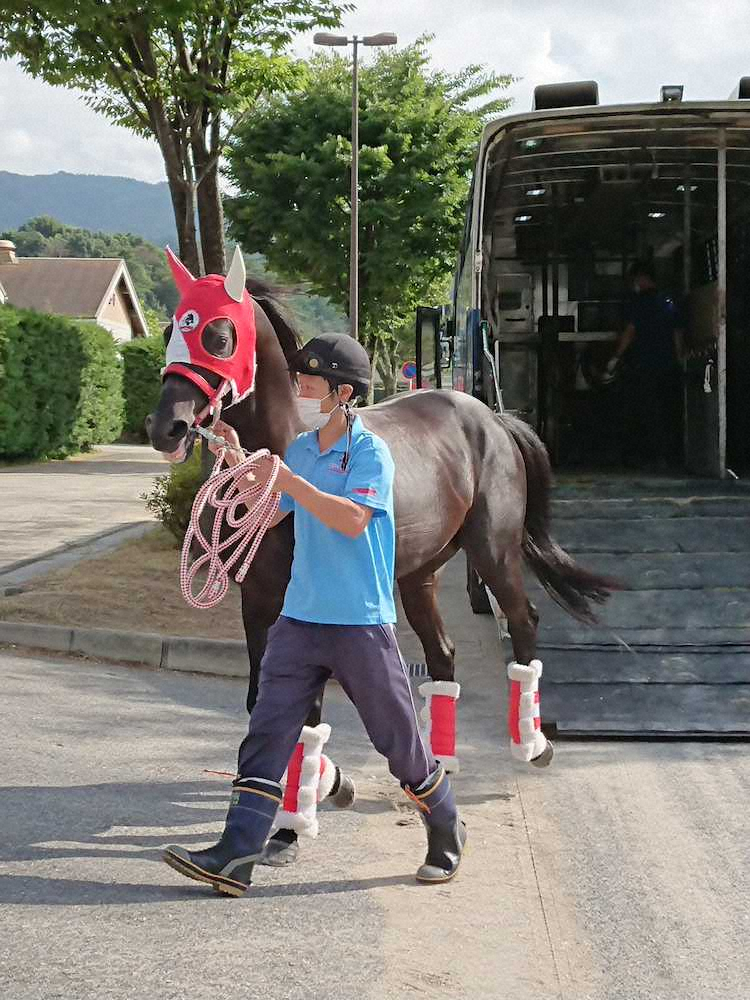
[{"x": 223, "y": 492}]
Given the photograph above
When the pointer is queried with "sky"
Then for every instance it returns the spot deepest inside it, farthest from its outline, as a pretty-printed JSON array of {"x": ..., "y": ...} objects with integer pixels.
[{"x": 631, "y": 47}]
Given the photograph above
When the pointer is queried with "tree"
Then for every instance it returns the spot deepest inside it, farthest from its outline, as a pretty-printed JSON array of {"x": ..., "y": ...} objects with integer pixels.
[
  {"x": 290, "y": 161},
  {"x": 312, "y": 313},
  {"x": 171, "y": 71}
]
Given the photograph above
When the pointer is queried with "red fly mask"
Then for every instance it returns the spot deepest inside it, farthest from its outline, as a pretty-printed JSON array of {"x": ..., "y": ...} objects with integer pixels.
[{"x": 203, "y": 301}]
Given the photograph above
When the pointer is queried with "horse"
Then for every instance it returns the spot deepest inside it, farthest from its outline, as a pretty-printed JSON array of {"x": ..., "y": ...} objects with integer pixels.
[{"x": 466, "y": 478}]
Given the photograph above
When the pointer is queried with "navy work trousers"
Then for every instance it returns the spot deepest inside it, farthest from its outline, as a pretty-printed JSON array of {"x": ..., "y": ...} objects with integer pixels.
[{"x": 367, "y": 663}]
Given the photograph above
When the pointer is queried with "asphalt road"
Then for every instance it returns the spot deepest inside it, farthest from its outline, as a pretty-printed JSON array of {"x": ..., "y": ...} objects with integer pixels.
[
  {"x": 48, "y": 505},
  {"x": 619, "y": 873}
]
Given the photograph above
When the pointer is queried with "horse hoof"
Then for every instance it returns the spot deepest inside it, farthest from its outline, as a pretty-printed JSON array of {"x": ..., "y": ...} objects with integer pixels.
[
  {"x": 280, "y": 851},
  {"x": 545, "y": 757},
  {"x": 345, "y": 795}
]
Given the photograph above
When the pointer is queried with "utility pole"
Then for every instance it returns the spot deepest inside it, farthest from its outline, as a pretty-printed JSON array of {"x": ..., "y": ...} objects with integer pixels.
[{"x": 384, "y": 38}]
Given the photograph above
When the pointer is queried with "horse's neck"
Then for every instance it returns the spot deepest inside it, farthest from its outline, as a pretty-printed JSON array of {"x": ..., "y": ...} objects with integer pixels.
[{"x": 268, "y": 417}]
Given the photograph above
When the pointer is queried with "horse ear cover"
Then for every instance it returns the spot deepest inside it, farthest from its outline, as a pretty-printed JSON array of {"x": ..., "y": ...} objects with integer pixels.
[{"x": 203, "y": 301}]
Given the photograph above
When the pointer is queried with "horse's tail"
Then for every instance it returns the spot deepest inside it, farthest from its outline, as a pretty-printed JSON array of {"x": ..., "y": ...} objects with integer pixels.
[{"x": 567, "y": 583}]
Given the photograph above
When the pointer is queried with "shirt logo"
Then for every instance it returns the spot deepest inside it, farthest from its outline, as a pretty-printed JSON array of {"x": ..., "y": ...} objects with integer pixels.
[
  {"x": 366, "y": 492},
  {"x": 336, "y": 467}
]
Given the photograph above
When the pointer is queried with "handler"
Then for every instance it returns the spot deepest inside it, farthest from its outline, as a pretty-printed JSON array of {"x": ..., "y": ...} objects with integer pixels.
[{"x": 337, "y": 620}]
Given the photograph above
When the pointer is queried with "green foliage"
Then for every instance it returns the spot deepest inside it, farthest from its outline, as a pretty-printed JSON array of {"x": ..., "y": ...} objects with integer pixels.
[
  {"x": 176, "y": 57},
  {"x": 100, "y": 409},
  {"x": 171, "y": 497},
  {"x": 60, "y": 385},
  {"x": 46, "y": 237},
  {"x": 290, "y": 162},
  {"x": 168, "y": 71},
  {"x": 313, "y": 314},
  {"x": 142, "y": 361}
]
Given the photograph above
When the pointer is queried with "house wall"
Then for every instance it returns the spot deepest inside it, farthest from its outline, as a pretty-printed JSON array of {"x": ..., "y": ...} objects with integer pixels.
[{"x": 114, "y": 316}]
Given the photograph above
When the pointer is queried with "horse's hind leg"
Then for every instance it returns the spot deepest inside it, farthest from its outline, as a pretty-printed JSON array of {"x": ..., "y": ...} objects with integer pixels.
[
  {"x": 419, "y": 598},
  {"x": 505, "y": 580}
]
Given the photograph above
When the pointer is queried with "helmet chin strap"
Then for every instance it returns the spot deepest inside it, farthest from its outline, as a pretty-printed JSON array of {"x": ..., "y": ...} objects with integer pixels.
[{"x": 347, "y": 408}]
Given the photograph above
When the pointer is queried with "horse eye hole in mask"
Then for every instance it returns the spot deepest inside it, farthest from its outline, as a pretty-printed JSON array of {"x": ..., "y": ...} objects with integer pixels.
[{"x": 220, "y": 338}]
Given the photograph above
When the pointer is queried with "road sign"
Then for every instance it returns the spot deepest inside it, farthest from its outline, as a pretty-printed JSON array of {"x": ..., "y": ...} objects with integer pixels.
[{"x": 409, "y": 370}]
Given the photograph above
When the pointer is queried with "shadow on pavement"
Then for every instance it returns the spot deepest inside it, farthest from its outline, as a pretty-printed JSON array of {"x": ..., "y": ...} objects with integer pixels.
[
  {"x": 79, "y": 818},
  {"x": 36, "y": 890}
]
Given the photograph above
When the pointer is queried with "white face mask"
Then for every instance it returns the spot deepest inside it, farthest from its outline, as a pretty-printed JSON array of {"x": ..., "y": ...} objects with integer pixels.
[{"x": 310, "y": 413}]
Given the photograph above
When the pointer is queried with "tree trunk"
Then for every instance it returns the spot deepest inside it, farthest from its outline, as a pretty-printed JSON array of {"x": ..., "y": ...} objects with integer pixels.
[
  {"x": 390, "y": 381},
  {"x": 174, "y": 152},
  {"x": 184, "y": 219},
  {"x": 373, "y": 349},
  {"x": 388, "y": 366},
  {"x": 210, "y": 209}
]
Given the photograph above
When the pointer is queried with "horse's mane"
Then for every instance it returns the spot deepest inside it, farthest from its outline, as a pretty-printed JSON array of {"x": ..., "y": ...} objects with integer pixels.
[{"x": 268, "y": 295}]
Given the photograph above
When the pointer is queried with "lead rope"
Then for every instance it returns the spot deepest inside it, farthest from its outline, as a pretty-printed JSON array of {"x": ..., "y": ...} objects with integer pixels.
[{"x": 222, "y": 492}]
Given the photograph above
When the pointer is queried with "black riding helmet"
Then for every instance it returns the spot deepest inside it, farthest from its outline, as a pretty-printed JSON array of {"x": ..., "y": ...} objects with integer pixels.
[{"x": 336, "y": 357}]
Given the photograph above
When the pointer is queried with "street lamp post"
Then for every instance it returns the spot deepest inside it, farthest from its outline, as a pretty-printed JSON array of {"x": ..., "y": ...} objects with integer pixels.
[{"x": 384, "y": 38}]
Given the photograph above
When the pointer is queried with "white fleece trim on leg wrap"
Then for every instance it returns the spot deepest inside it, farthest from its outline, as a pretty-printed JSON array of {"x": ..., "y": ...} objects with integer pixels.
[
  {"x": 438, "y": 740},
  {"x": 532, "y": 739},
  {"x": 316, "y": 772}
]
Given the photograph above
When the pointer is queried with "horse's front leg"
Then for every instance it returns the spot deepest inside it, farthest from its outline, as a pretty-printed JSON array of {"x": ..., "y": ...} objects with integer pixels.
[
  {"x": 419, "y": 599},
  {"x": 257, "y": 618}
]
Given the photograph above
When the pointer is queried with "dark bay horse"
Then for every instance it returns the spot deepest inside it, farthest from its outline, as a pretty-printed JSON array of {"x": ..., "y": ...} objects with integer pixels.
[{"x": 466, "y": 478}]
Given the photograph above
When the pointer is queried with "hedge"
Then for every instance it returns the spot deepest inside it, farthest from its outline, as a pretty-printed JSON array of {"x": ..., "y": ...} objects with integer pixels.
[
  {"x": 60, "y": 385},
  {"x": 171, "y": 497},
  {"x": 142, "y": 361}
]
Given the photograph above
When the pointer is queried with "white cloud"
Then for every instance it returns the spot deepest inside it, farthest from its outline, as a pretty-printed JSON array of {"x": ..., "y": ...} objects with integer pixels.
[
  {"x": 631, "y": 47},
  {"x": 44, "y": 129},
  {"x": 17, "y": 142}
]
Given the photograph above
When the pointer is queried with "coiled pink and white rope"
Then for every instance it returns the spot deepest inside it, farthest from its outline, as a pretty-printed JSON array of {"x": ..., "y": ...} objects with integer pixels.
[{"x": 222, "y": 492}]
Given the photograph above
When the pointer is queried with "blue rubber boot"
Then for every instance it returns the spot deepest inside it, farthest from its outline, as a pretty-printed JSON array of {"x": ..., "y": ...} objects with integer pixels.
[
  {"x": 228, "y": 865},
  {"x": 446, "y": 833}
]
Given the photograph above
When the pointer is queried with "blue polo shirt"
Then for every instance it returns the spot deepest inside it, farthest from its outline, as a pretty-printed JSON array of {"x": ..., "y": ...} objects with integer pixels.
[
  {"x": 338, "y": 580},
  {"x": 655, "y": 320}
]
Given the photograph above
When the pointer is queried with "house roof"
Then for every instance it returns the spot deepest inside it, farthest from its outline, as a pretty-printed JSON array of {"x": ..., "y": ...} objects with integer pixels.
[{"x": 68, "y": 286}]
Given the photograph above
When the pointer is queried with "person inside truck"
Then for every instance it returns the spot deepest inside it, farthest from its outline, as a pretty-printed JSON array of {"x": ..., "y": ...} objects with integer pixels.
[{"x": 647, "y": 359}]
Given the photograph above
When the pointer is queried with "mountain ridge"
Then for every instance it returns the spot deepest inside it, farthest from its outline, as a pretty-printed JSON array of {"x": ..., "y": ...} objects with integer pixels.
[{"x": 98, "y": 202}]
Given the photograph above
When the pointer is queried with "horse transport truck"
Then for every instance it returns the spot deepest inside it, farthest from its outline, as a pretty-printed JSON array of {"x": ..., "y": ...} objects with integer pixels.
[{"x": 564, "y": 199}]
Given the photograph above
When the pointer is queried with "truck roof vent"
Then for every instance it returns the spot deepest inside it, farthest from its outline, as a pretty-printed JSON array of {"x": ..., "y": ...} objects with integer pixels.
[
  {"x": 742, "y": 91},
  {"x": 579, "y": 94},
  {"x": 671, "y": 93}
]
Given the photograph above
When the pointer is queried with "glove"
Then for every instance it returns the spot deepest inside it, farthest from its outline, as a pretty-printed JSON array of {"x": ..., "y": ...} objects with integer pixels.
[{"x": 611, "y": 370}]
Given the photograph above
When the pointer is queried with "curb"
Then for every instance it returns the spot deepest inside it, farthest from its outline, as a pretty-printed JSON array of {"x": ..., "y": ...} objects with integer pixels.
[
  {"x": 217, "y": 657},
  {"x": 220, "y": 657}
]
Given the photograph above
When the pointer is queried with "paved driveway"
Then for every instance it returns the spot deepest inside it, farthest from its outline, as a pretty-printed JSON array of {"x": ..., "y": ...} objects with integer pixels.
[
  {"x": 620, "y": 873},
  {"x": 49, "y": 505}
]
